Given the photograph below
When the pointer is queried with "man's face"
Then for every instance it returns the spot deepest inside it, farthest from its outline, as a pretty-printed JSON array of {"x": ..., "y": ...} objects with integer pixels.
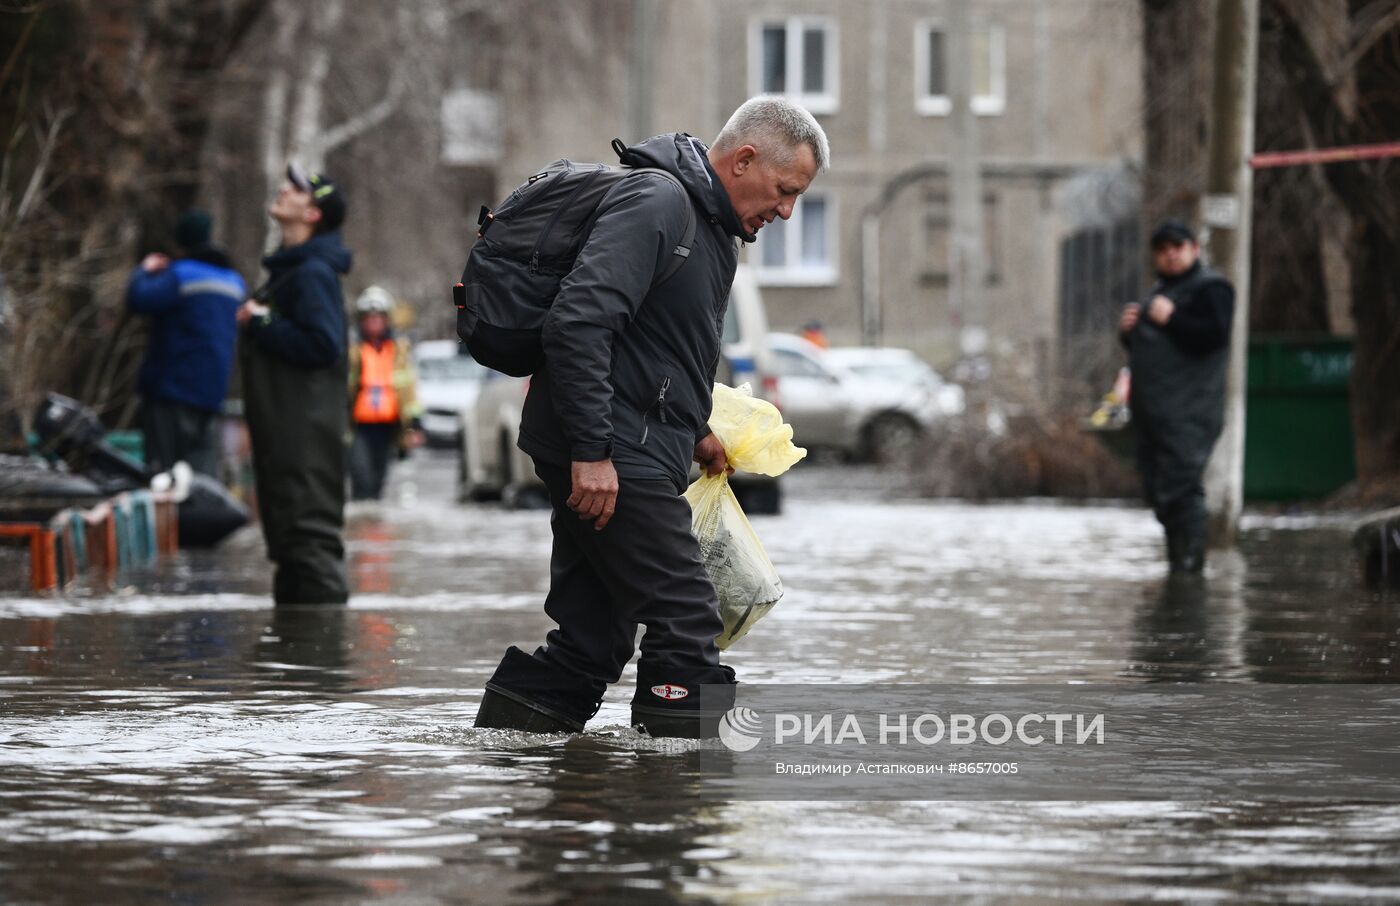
[
  {"x": 762, "y": 189},
  {"x": 1172, "y": 259},
  {"x": 293, "y": 206},
  {"x": 373, "y": 325}
]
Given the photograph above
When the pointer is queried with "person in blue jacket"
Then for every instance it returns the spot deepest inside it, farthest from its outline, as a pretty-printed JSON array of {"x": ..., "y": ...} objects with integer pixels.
[
  {"x": 295, "y": 399},
  {"x": 192, "y": 302}
]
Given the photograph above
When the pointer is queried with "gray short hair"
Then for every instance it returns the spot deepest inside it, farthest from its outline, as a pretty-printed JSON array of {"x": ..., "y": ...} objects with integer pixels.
[{"x": 777, "y": 126}]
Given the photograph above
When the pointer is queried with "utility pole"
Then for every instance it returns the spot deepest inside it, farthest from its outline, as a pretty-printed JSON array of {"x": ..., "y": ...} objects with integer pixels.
[
  {"x": 640, "y": 70},
  {"x": 1226, "y": 213},
  {"x": 965, "y": 176}
]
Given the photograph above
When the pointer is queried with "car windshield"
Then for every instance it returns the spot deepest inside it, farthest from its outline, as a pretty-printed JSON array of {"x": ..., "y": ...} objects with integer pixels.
[
  {"x": 450, "y": 368},
  {"x": 789, "y": 363}
]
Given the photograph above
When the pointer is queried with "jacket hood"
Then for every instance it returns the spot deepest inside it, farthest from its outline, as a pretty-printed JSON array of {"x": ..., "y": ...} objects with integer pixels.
[
  {"x": 326, "y": 246},
  {"x": 683, "y": 156}
]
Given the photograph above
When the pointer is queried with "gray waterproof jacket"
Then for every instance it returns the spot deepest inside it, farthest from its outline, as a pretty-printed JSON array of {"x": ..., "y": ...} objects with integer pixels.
[{"x": 630, "y": 366}]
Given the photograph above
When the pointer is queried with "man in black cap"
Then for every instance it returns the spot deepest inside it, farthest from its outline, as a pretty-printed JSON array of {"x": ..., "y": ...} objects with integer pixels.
[
  {"x": 1178, "y": 347},
  {"x": 184, "y": 377},
  {"x": 294, "y": 393}
]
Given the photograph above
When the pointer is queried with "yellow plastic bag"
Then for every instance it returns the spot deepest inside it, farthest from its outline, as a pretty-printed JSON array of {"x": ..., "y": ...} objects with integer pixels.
[
  {"x": 752, "y": 431},
  {"x": 755, "y": 440}
]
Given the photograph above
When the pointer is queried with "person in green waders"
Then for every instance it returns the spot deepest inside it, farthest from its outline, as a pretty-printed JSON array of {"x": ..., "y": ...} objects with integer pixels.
[{"x": 294, "y": 391}]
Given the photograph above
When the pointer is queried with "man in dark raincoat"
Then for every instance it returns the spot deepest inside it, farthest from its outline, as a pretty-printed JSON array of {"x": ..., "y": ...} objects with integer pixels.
[
  {"x": 1178, "y": 345},
  {"x": 294, "y": 393},
  {"x": 620, "y": 410}
]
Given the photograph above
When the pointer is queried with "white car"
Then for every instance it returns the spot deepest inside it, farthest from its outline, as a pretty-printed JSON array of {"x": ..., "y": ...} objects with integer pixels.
[
  {"x": 492, "y": 467},
  {"x": 448, "y": 382},
  {"x": 866, "y": 403},
  {"x": 906, "y": 380}
]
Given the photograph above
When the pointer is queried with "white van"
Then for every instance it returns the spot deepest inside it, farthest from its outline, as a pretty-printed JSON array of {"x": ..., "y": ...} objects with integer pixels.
[{"x": 492, "y": 467}]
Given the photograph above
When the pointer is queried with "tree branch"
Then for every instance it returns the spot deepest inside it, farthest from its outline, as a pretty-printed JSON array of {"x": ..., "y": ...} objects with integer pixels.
[
  {"x": 36, "y": 179},
  {"x": 1384, "y": 23},
  {"x": 340, "y": 134},
  {"x": 1319, "y": 102}
]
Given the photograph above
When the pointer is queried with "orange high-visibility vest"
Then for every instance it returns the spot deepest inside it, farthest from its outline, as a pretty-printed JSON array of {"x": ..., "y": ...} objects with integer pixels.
[{"x": 377, "y": 402}]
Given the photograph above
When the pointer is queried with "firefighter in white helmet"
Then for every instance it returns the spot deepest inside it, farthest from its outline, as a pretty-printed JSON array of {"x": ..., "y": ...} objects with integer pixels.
[{"x": 383, "y": 405}]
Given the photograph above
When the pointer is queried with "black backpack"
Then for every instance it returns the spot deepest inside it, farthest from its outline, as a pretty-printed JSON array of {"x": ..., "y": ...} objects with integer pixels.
[{"x": 525, "y": 248}]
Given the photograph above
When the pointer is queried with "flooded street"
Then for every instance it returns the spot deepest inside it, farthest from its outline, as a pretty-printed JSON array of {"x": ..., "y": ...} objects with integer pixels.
[{"x": 174, "y": 739}]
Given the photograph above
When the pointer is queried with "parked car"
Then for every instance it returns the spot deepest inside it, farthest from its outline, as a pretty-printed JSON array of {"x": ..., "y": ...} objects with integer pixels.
[
  {"x": 870, "y": 404},
  {"x": 901, "y": 380},
  {"x": 448, "y": 382},
  {"x": 492, "y": 467}
]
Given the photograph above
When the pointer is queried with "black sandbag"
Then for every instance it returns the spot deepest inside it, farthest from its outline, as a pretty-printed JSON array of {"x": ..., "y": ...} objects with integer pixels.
[{"x": 209, "y": 514}]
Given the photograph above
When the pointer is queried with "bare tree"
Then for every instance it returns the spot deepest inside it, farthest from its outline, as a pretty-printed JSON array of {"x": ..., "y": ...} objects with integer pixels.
[
  {"x": 295, "y": 119},
  {"x": 103, "y": 104},
  {"x": 1353, "y": 97},
  {"x": 1324, "y": 237}
]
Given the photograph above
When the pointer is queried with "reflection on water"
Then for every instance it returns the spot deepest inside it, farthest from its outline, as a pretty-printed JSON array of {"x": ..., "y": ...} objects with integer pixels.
[{"x": 178, "y": 739}]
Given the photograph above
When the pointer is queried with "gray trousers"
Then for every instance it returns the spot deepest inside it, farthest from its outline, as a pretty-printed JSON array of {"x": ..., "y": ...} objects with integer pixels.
[{"x": 175, "y": 432}]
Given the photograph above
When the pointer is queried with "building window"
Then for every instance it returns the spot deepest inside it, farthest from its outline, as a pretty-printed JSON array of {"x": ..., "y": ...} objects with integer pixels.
[
  {"x": 937, "y": 252},
  {"x": 800, "y": 251},
  {"x": 796, "y": 57},
  {"x": 988, "y": 53}
]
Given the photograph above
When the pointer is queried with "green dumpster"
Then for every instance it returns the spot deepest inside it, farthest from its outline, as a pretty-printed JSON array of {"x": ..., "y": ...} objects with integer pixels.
[{"x": 1298, "y": 438}]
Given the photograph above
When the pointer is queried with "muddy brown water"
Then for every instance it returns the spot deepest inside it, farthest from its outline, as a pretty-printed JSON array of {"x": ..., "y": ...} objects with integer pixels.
[{"x": 174, "y": 739}]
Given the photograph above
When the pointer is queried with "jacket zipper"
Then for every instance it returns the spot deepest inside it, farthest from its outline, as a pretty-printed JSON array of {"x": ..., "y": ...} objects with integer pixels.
[
  {"x": 660, "y": 408},
  {"x": 558, "y": 212}
]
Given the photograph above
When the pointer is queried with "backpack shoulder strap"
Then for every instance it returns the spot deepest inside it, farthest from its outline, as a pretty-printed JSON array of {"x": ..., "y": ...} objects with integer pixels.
[{"x": 681, "y": 253}]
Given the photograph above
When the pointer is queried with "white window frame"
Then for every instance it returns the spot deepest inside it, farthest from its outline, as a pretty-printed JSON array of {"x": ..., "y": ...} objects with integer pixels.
[
  {"x": 927, "y": 104},
  {"x": 826, "y": 101},
  {"x": 794, "y": 272}
]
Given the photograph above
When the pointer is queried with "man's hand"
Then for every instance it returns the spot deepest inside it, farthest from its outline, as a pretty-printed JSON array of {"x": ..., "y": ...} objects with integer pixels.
[
  {"x": 155, "y": 262},
  {"x": 1131, "y": 312},
  {"x": 1160, "y": 309},
  {"x": 711, "y": 456},
  {"x": 594, "y": 491},
  {"x": 249, "y": 310}
]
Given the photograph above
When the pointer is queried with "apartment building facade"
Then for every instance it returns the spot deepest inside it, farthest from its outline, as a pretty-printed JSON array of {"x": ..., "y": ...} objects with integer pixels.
[{"x": 878, "y": 248}]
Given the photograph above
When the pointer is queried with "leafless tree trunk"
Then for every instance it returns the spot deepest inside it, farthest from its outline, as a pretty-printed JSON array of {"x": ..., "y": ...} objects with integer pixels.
[
  {"x": 299, "y": 82},
  {"x": 1356, "y": 100}
]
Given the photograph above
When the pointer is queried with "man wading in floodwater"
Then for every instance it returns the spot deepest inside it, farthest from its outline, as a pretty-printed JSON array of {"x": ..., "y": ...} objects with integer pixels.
[
  {"x": 1178, "y": 349},
  {"x": 619, "y": 411}
]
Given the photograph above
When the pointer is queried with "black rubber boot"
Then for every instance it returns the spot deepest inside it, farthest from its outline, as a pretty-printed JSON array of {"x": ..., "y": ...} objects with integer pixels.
[
  {"x": 502, "y": 709},
  {"x": 529, "y": 693},
  {"x": 1191, "y": 554},
  {"x": 667, "y": 701}
]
